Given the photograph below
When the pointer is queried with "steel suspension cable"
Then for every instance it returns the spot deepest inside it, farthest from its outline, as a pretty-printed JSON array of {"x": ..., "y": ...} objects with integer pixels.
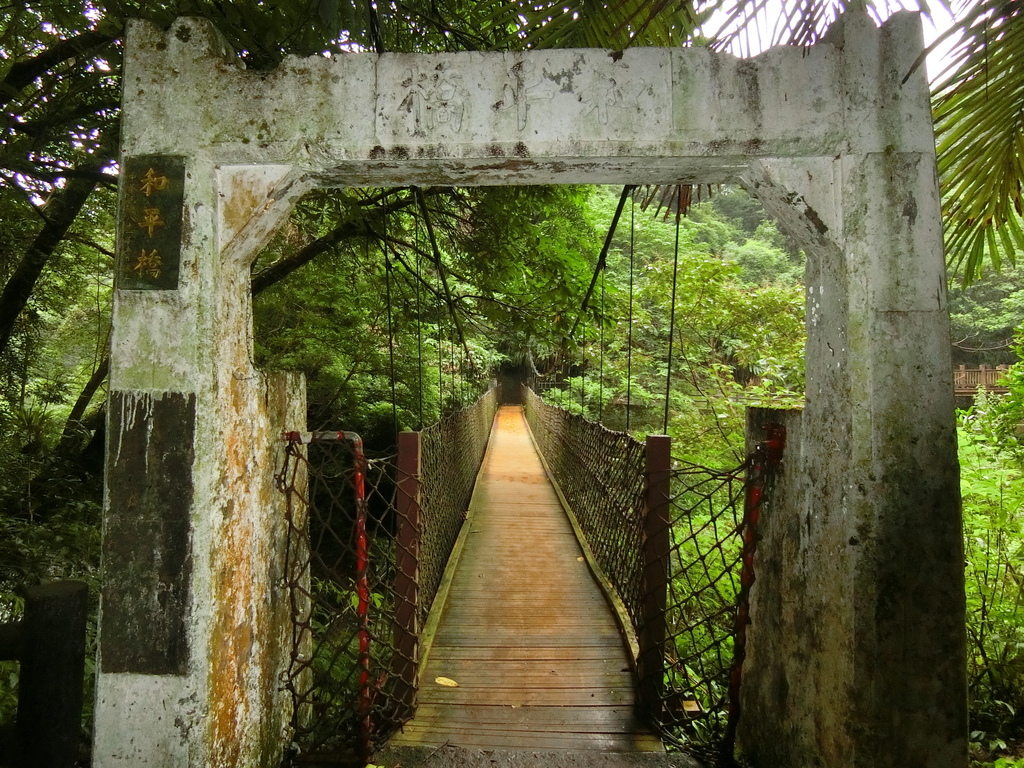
[
  {"x": 672, "y": 316},
  {"x": 583, "y": 371},
  {"x": 455, "y": 392},
  {"x": 629, "y": 332},
  {"x": 419, "y": 324},
  {"x": 462, "y": 380},
  {"x": 567, "y": 366},
  {"x": 602, "y": 261},
  {"x": 391, "y": 337},
  {"x": 440, "y": 355},
  {"x": 600, "y": 365},
  {"x": 436, "y": 254},
  {"x": 603, "y": 256}
]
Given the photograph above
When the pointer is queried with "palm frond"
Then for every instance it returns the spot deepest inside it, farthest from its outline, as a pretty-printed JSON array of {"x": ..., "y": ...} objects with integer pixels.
[
  {"x": 583, "y": 24},
  {"x": 750, "y": 26},
  {"x": 979, "y": 125}
]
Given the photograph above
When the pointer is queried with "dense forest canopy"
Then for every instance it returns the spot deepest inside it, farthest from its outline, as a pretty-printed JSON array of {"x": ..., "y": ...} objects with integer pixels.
[{"x": 399, "y": 304}]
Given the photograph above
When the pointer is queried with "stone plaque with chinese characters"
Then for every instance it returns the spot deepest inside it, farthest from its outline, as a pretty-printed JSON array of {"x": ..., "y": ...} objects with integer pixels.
[{"x": 149, "y": 246}]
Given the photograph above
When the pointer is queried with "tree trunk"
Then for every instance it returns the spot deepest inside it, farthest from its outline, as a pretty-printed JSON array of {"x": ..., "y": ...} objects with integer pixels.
[{"x": 60, "y": 211}]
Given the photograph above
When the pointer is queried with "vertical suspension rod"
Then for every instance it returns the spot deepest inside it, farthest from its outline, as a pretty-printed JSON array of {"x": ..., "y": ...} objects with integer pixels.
[
  {"x": 672, "y": 313},
  {"x": 629, "y": 339},
  {"x": 603, "y": 257},
  {"x": 391, "y": 339}
]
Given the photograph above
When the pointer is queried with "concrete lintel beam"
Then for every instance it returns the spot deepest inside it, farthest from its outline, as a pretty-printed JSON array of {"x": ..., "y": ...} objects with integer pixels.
[{"x": 487, "y": 112}]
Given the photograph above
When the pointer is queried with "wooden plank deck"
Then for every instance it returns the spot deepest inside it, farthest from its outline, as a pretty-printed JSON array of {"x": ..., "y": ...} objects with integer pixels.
[{"x": 526, "y": 632}]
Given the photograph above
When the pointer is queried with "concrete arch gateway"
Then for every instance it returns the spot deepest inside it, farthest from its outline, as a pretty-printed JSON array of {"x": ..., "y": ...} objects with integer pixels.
[{"x": 858, "y": 645}]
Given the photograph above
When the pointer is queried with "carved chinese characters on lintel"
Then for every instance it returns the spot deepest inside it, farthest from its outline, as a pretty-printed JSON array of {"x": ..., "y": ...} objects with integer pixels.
[
  {"x": 441, "y": 103},
  {"x": 596, "y": 94},
  {"x": 433, "y": 100},
  {"x": 149, "y": 245}
]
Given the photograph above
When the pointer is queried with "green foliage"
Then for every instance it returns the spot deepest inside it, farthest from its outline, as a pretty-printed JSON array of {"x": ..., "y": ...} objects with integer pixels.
[
  {"x": 985, "y": 315},
  {"x": 740, "y": 209},
  {"x": 977, "y": 127},
  {"x": 1003, "y": 416},
  {"x": 736, "y": 341},
  {"x": 992, "y": 484},
  {"x": 63, "y": 546},
  {"x": 763, "y": 263},
  {"x": 508, "y": 265},
  {"x": 517, "y": 262}
]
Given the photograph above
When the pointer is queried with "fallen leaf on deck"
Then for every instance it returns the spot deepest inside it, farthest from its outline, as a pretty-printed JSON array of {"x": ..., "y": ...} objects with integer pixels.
[{"x": 446, "y": 681}]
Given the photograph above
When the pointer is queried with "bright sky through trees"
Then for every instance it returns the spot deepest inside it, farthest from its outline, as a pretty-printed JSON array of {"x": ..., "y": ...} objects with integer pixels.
[{"x": 766, "y": 27}]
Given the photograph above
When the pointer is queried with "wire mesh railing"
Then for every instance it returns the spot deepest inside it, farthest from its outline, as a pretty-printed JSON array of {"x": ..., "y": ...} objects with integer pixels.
[
  {"x": 601, "y": 474},
  {"x": 705, "y": 546},
  {"x": 452, "y": 452},
  {"x": 676, "y": 540},
  {"x": 369, "y": 539},
  {"x": 342, "y": 615}
]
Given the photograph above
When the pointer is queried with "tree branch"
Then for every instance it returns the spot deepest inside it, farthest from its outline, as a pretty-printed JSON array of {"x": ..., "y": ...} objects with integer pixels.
[
  {"x": 23, "y": 73},
  {"x": 60, "y": 212},
  {"x": 350, "y": 229},
  {"x": 74, "y": 421},
  {"x": 408, "y": 269}
]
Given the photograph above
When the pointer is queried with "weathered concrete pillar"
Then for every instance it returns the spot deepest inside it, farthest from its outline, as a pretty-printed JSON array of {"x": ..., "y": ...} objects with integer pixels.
[
  {"x": 860, "y": 660},
  {"x": 858, "y": 641},
  {"x": 195, "y": 621}
]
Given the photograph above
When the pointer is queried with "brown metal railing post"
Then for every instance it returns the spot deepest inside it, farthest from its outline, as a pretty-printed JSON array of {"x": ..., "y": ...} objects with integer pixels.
[
  {"x": 651, "y": 639},
  {"x": 50, "y": 644},
  {"x": 404, "y": 666}
]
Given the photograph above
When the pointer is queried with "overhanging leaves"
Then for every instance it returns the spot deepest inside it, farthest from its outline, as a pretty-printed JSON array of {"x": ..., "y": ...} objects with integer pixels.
[{"x": 979, "y": 124}]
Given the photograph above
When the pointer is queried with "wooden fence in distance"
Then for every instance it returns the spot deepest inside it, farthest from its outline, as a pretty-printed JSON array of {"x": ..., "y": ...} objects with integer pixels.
[{"x": 967, "y": 381}]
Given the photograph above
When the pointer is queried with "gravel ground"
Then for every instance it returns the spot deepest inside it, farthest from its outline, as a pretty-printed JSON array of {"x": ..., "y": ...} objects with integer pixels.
[{"x": 455, "y": 757}]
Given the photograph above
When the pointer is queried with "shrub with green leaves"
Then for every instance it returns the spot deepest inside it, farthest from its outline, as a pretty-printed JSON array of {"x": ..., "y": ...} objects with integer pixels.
[{"x": 992, "y": 484}]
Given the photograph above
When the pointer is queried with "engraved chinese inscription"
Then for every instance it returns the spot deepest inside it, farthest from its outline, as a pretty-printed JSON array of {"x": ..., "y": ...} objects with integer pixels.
[
  {"x": 152, "y": 182},
  {"x": 148, "y": 264},
  {"x": 596, "y": 94},
  {"x": 608, "y": 94},
  {"x": 441, "y": 102},
  {"x": 528, "y": 85},
  {"x": 151, "y": 219},
  {"x": 433, "y": 100},
  {"x": 149, "y": 242}
]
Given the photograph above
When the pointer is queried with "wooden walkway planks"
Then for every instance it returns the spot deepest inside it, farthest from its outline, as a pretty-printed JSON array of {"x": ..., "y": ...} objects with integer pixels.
[{"x": 525, "y": 632}]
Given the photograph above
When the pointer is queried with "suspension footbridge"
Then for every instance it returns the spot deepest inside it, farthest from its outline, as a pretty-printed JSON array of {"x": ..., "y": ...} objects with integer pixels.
[
  {"x": 516, "y": 578},
  {"x": 527, "y": 651}
]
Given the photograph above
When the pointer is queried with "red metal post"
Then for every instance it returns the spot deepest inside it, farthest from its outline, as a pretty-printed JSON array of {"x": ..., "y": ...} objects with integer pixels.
[
  {"x": 763, "y": 462},
  {"x": 405, "y": 664},
  {"x": 362, "y": 594},
  {"x": 657, "y": 542}
]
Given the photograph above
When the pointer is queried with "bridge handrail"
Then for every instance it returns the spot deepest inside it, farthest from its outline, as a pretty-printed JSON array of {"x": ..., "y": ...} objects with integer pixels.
[
  {"x": 983, "y": 377},
  {"x": 602, "y": 475},
  {"x": 675, "y": 558},
  {"x": 385, "y": 572},
  {"x": 452, "y": 450}
]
